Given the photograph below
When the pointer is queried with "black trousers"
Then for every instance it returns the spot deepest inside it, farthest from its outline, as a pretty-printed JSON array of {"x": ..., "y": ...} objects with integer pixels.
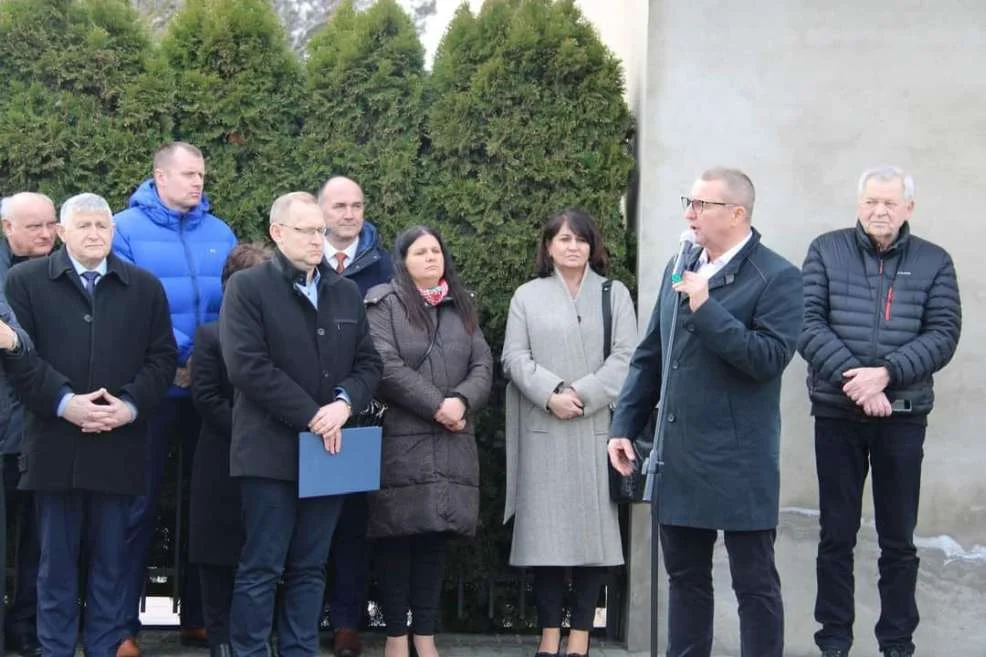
[
  {"x": 844, "y": 451},
  {"x": 217, "y": 596},
  {"x": 410, "y": 570},
  {"x": 688, "y": 560},
  {"x": 21, "y": 623},
  {"x": 549, "y": 595}
]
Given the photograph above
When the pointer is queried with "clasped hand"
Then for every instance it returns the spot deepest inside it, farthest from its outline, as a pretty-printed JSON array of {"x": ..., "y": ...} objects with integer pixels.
[
  {"x": 328, "y": 423},
  {"x": 451, "y": 414},
  {"x": 865, "y": 387},
  {"x": 97, "y": 411},
  {"x": 566, "y": 404}
]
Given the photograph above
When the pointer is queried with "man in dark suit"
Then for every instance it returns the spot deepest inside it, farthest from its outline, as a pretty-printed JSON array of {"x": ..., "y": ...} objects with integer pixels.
[
  {"x": 15, "y": 344},
  {"x": 105, "y": 355},
  {"x": 298, "y": 352},
  {"x": 353, "y": 248},
  {"x": 739, "y": 315},
  {"x": 29, "y": 228}
]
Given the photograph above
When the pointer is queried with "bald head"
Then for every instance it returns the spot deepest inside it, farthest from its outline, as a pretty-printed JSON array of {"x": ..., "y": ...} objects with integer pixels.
[
  {"x": 29, "y": 224},
  {"x": 341, "y": 200}
]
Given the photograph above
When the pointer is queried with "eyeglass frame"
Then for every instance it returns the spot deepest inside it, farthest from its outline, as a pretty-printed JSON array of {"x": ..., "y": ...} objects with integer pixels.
[
  {"x": 690, "y": 202},
  {"x": 306, "y": 232}
]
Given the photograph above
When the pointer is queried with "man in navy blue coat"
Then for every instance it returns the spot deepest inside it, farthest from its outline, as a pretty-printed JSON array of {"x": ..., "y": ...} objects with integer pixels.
[
  {"x": 353, "y": 249},
  {"x": 739, "y": 315},
  {"x": 882, "y": 315}
]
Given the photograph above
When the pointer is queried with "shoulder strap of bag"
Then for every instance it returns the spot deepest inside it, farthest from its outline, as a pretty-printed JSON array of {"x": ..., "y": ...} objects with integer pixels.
[
  {"x": 607, "y": 318},
  {"x": 431, "y": 344}
]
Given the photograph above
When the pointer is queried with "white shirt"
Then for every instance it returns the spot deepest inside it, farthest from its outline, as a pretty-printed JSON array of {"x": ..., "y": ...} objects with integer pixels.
[
  {"x": 708, "y": 269},
  {"x": 350, "y": 251}
]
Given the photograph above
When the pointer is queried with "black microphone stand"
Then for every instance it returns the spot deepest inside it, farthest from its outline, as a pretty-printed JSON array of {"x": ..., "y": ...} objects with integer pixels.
[{"x": 653, "y": 465}]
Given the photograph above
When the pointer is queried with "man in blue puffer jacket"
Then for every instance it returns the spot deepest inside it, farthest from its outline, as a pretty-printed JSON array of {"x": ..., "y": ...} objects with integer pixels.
[{"x": 169, "y": 231}]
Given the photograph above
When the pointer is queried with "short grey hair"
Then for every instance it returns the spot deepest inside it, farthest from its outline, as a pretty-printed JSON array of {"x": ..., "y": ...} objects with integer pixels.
[
  {"x": 282, "y": 205},
  {"x": 83, "y": 203},
  {"x": 738, "y": 186},
  {"x": 887, "y": 173},
  {"x": 8, "y": 203}
]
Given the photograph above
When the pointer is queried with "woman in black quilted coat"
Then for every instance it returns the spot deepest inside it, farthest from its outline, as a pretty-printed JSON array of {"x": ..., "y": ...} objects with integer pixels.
[{"x": 436, "y": 374}]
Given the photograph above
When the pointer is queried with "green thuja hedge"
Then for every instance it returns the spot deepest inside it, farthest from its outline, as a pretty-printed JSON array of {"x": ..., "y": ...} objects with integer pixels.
[
  {"x": 526, "y": 118},
  {"x": 238, "y": 97},
  {"x": 365, "y": 110},
  {"x": 523, "y": 115},
  {"x": 83, "y": 98}
]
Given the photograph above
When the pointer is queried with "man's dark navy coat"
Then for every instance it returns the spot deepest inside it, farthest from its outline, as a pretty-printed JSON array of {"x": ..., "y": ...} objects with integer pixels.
[
  {"x": 722, "y": 442},
  {"x": 120, "y": 339}
]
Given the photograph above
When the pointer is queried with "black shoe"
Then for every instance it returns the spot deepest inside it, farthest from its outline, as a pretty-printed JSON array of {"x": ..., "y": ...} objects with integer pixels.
[
  {"x": 898, "y": 652},
  {"x": 221, "y": 650},
  {"x": 546, "y": 654},
  {"x": 835, "y": 652},
  {"x": 26, "y": 646}
]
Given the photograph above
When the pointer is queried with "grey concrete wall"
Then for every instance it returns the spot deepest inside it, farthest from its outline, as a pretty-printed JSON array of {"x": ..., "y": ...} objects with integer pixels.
[{"x": 803, "y": 96}]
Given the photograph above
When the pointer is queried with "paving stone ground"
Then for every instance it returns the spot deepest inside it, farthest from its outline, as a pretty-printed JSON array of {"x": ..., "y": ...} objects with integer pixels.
[{"x": 164, "y": 643}]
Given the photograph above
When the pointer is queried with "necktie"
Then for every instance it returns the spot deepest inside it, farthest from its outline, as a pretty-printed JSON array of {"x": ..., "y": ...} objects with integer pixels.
[
  {"x": 340, "y": 261},
  {"x": 89, "y": 277}
]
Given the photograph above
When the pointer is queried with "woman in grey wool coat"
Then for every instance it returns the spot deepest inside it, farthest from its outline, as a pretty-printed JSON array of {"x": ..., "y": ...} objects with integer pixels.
[
  {"x": 558, "y": 423},
  {"x": 437, "y": 371}
]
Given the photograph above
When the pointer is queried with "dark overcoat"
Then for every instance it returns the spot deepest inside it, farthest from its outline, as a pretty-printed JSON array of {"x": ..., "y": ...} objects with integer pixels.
[
  {"x": 286, "y": 359},
  {"x": 215, "y": 529},
  {"x": 120, "y": 339},
  {"x": 722, "y": 441},
  {"x": 429, "y": 476}
]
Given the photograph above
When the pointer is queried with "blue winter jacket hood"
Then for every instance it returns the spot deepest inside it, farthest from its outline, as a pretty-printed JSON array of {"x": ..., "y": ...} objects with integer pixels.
[{"x": 185, "y": 250}]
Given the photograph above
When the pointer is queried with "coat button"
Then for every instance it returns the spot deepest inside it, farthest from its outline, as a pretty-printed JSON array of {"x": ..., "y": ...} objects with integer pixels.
[
  {"x": 670, "y": 418},
  {"x": 325, "y": 374},
  {"x": 321, "y": 331},
  {"x": 87, "y": 318},
  {"x": 674, "y": 365},
  {"x": 691, "y": 328}
]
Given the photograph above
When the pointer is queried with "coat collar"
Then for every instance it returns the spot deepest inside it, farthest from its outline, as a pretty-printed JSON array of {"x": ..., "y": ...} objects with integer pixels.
[
  {"x": 728, "y": 273},
  {"x": 865, "y": 242},
  {"x": 59, "y": 263},
  {"x": 280, "y": 262}
]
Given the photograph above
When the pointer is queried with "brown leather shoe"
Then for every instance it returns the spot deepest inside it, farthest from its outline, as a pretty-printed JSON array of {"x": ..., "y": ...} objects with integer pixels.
[
  {"x": 193, "y": 636},
  {"x": 128, "y": 648},
  {"x": 347, "y": 643}
]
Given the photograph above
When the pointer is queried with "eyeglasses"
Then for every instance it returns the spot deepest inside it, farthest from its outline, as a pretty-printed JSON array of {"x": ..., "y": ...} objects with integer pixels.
[
  {"x": 699, "y": 205},
  {"x": 308, "y": 232}
]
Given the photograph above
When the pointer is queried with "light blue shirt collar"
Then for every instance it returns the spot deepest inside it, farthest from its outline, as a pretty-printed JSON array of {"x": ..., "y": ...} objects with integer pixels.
[
  {"x": 310, "y": 289},
  {"x": 80, "y": 268}
]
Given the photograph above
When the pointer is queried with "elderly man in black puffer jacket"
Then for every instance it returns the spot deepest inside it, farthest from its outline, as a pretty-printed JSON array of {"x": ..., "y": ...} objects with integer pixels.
[{"x": 882, "y": 315}]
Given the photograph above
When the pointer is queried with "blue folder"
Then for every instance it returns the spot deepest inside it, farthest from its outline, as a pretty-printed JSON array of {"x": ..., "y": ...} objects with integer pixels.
[{"x": 355, "y": 468}]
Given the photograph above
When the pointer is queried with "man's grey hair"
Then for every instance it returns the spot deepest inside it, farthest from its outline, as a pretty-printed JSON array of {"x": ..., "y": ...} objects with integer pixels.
[
  {"x": 887, "y": 173},
  {"x": 83, "y": 203},
  {"x": 8, "y": 203},
  {"x": 739, "y": 187},
  {"x": 282, "y": 205}
]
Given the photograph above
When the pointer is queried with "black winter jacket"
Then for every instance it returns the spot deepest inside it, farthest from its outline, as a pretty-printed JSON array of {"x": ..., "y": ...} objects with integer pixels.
[
  {"x": 285, "y": 359},
  {"x": 898, "y": 309}
]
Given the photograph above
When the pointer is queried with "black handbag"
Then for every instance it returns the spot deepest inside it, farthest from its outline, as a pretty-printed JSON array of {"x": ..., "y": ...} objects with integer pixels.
[
  {"x": 626, "y": 488},
  {"x": 372, "y": 415}
]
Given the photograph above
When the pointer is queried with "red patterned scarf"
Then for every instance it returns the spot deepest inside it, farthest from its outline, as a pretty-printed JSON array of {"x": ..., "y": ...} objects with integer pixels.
[{"x": 435, "y": 295}]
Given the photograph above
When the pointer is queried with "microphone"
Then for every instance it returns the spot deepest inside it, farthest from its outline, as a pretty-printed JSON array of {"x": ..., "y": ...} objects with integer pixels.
[{"x": 686, "y": 241}]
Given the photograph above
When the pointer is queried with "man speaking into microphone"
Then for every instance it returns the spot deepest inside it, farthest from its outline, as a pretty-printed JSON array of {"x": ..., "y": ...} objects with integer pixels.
[{"x": 738, "y": 320}]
